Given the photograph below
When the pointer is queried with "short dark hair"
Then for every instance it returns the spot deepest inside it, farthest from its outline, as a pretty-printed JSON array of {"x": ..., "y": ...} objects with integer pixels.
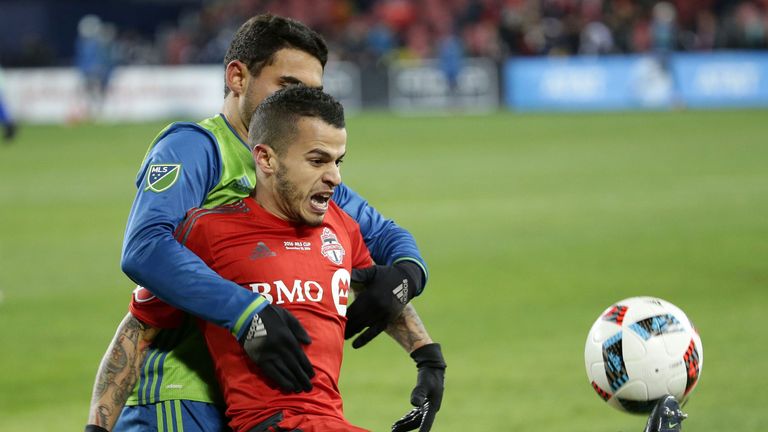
[
  {"x": 258, "y": 39},
  {"x": 275, "y": 121}
]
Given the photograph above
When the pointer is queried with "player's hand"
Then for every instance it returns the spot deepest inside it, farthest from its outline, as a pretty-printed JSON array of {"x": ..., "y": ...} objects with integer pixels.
[
  {"x": 412, "y": 420},
  {"x": 387, "y": 290},
  {"x": 273, "y": 342},
  {"x": 428, "y": 394}
]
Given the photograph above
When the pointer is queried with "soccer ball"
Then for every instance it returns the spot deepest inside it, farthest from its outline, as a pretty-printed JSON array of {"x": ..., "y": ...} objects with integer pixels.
[{"x": 641, "y": 349}]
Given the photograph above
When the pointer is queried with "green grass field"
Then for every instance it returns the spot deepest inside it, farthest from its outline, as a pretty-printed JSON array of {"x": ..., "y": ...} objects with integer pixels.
[{"x": 531, "y": 225}]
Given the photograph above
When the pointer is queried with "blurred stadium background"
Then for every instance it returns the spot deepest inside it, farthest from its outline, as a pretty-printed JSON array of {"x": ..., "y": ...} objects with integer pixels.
[{"x": 551, "y": 157}]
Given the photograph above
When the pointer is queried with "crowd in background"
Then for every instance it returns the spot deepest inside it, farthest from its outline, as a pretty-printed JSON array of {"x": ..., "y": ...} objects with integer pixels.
[{"x": 374, "y": 30}]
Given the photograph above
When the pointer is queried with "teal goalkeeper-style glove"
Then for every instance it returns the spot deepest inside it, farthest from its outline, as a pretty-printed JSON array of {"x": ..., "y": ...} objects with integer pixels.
[
  {"x": 273, "y": 341},
  {"x": 427, "y": 397}
]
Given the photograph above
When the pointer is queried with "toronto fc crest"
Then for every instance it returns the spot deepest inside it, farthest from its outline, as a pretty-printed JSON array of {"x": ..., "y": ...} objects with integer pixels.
[{"x": 331, "y": 249}]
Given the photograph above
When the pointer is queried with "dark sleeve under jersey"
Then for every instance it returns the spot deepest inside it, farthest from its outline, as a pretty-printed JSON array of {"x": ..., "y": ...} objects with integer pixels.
[
  {"x": 177, "y": 174},
  {"x": 387, "y": 242}
]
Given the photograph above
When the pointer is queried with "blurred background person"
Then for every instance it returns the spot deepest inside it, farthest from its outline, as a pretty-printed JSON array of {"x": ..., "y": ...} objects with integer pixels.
[
  {"x": 450, "y": 55},
  {"x": 9, "y": 126},
  {"x": 94, "y": 62},
  {"x": 663, "y": 28}
]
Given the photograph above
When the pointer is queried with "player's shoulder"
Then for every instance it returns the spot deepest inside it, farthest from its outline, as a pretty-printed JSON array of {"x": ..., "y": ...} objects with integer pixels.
[
  {"x": 208, "y": 218},
  {"x": 225, "y": 211},
  {"x": 185, "y": 132},
  {"x": 342, "y": 218},
  {"x": 190, "y": 147},
  {"x": 336, "y": 212}
]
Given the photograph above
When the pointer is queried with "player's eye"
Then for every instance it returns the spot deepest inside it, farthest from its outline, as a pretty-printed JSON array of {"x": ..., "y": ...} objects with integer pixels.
[{"x": 290, "y": 83}]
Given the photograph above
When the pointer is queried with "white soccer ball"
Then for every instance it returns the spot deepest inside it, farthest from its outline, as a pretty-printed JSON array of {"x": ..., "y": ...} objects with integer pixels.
[{"x": 641, "y": 349}]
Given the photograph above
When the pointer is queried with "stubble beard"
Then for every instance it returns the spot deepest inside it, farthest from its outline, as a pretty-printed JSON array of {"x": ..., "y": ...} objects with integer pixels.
[{"x": 291, "y": 198}]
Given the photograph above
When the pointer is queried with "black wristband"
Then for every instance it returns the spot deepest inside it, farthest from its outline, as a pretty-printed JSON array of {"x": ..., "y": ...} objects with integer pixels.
[
  {"x": 94, "y": 428},
  {"x": 429, "y": 355},
  {"x": 415, "y": 274}
]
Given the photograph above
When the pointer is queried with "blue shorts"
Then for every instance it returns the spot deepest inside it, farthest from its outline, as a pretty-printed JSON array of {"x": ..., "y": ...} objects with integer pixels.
[{"x": 172, "y": 416}]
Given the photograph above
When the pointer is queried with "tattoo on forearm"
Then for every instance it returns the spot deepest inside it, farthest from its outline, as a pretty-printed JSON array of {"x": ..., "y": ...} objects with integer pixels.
[
  {"x": 104, "y": 414},
  {"x": 119, "y": 371},
  {"x": 408, "y": 330}
]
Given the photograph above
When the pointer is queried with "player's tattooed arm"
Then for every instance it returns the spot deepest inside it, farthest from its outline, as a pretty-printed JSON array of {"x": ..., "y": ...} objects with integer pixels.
[
  {"x": 119, "y": 370},
  {"x": 427, "y": 395},
  {"x": 408, "y": 330}
]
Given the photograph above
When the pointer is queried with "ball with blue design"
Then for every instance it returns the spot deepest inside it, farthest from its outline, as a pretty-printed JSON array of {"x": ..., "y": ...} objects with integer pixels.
[{"x": 641, "y": 349}]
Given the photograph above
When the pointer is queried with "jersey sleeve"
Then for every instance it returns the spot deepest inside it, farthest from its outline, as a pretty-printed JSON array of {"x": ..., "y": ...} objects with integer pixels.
[
  {"x": 151, "y": 310},
  {"x": 388, "y": 242},
  {"x": 151, "y": 255}
]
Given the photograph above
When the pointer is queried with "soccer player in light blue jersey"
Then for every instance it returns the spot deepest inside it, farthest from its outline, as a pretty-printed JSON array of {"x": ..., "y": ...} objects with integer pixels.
[{"x": 168, "y": 384}]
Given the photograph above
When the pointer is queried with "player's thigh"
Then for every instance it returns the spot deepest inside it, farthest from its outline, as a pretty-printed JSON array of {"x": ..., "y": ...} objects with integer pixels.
[{"x": 172, "y": 416}]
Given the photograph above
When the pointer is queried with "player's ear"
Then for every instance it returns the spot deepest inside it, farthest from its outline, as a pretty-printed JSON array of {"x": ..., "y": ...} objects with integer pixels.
[
  {"x": 265, "y": 158},
  {"x": 236, "y": 75}
]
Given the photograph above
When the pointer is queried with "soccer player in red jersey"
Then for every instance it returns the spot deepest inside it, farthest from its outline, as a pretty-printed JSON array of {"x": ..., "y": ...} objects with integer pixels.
[{"x": 294, "y": 246}]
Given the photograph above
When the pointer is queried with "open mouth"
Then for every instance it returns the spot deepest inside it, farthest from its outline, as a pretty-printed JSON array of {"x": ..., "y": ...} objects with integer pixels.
[{"x": 319, "y": 201}]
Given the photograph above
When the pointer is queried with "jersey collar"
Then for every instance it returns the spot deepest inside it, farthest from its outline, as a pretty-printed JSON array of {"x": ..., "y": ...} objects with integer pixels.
[{"x": 223, "y": 117}]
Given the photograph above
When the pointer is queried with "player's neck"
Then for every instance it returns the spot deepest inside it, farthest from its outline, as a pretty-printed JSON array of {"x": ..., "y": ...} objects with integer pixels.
[
  {"x": 230, "y": 111},
  {"x": 267, "y": 199}
]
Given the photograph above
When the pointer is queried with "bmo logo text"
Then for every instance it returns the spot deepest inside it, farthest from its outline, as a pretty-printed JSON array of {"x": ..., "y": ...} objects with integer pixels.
[{"x": 278, "y": 292}]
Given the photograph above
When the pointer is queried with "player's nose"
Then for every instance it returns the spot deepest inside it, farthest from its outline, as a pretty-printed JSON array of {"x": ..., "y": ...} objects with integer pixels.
[{"x": 332, "y": 176}]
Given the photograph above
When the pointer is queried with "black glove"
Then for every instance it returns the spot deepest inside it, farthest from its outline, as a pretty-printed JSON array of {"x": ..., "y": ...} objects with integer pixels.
[
  {"x": 272, "y": 342},
  {"x": 428, "y": 394},
  {"x": 387, "y": 290},
  {"x": 94, "y": 428},
  {"x": 413, "y": 419}
]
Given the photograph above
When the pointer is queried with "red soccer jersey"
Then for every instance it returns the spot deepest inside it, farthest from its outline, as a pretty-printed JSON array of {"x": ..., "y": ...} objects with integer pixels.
[{"x": 304, "y": 269}]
